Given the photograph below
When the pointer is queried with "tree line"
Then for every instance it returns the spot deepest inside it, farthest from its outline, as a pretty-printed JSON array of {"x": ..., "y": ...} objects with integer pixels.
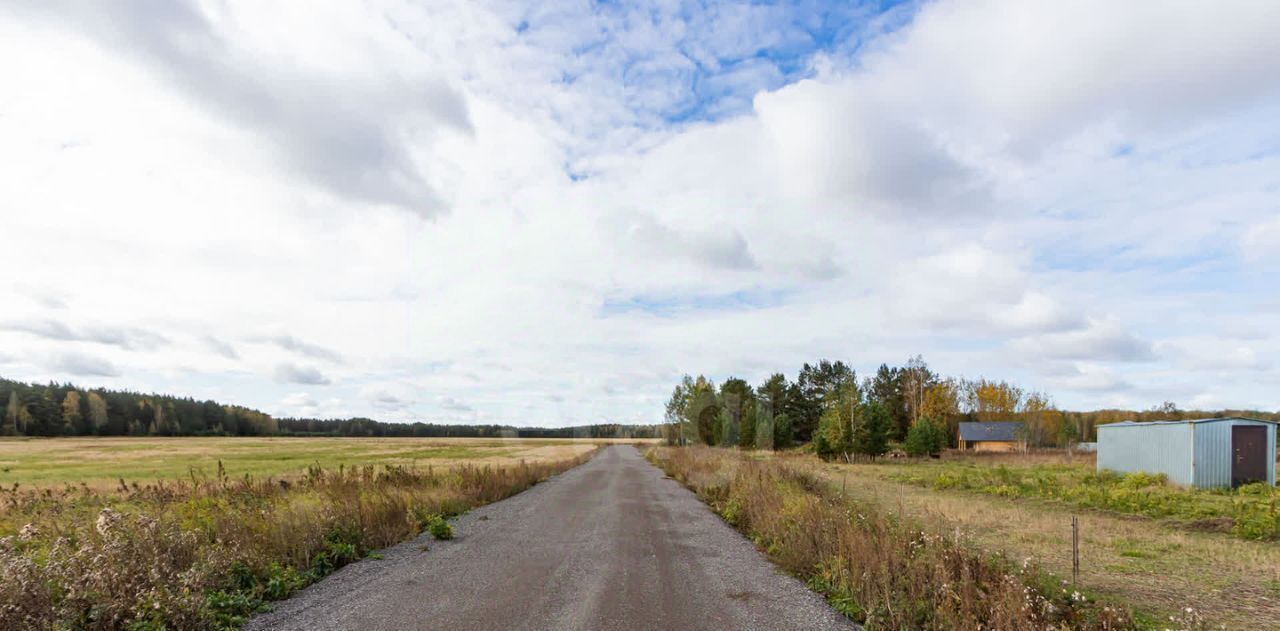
[
  {"x": 828, "y": 406},
  {"x": 370, "y": 427},
  {"x": 65, "y": 410}
]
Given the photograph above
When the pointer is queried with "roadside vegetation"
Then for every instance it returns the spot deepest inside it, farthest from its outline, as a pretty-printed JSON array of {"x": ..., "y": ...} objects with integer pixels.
[
  {"x": 1248, "y": 512},
  {"x": 1158, "y": 567},
  {"x": 207, "y": 552},
  {"x": 879, "y": 568}
]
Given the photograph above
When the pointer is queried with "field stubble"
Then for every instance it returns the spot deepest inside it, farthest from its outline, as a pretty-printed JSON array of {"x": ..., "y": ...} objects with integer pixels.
[
  {"x": 101, "y": 462},
  {"x": 204, "y": 552}
]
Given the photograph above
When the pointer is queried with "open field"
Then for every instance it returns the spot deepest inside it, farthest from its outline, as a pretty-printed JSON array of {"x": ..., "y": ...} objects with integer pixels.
[
  {"x": 1249, "y": 512},
  {"x": 205, "y": 552},
  {"x": 1159, "y": 565},
  {"x": 102, "y": 462}
]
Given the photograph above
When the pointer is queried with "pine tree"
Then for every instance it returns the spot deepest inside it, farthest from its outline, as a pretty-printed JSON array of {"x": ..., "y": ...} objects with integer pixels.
[
  {"x": 783, "y": 435},
  {"x": 924, "y": 438}
]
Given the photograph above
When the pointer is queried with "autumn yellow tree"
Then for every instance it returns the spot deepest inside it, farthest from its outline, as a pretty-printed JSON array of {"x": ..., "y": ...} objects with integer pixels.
[
  {"x": 991, "y": 400},
  {"x": 941, "y": 403},
  {"x": 71, "y": 412},
  {"x": 97, "y": 411}
]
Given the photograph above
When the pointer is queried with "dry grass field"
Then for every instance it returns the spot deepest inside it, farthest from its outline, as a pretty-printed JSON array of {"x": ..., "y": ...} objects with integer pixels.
[
  {"x": 184, "y": 545},
  {"x": 1158, "y": 566},
  {"x": 103, "y": 462}
]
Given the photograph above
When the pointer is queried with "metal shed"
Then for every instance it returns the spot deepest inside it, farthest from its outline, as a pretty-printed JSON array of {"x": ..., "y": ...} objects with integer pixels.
[{"x": 1207, "y": 453}]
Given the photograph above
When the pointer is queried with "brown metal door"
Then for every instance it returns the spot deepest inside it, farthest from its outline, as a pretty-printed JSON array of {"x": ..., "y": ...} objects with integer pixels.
[{"x": 1249, "y": 448}]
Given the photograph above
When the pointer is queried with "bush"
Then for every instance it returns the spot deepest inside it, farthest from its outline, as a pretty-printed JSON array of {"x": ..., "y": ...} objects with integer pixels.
[{"x": 440, "y": 529}]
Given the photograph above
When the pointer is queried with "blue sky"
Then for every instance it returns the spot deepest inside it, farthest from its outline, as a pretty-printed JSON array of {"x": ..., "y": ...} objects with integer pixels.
[{"x": 544, "y": 214}]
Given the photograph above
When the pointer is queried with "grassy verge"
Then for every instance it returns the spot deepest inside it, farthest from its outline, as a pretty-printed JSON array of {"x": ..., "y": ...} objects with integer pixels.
[
  {"x": 207, "y": 553},
  {"x": 1159, "y": 568},
  {"x": 880, "y": 569},
  {"x": 1249, "y": 512}
]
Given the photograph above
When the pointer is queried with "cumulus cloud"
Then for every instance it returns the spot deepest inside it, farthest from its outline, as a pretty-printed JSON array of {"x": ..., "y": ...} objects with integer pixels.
[
  {"x": 1088, "y": 378},
  {"x": 81, "y": 365},
  {"x": 220, "y": 347},
  {"x": 306, "y": 375},
  {"x": 349, "y": 134},
  {"x": 724, "y": 248},
  {"x": 1262, "y": 241},
  {"x": 306, "y": 349},
  {"x": 453, "y": 405},
  {"x": 981, "y": 182},
  {"x": 383, "y": 398},
  {"x": 1100, "y": 341},
  {"x": 130, "y": 338}
]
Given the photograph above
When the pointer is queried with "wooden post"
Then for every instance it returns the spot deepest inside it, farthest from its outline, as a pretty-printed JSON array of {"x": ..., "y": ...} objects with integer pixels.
[{"x": 1075, "y": 550}]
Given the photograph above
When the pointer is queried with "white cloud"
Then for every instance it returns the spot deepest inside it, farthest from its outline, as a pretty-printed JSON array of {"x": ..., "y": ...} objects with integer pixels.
[
  {"x": 1098, "y": 341},
  {"x": 81, "y": 365},
  {"x": 210, "y": 202},
  {"x": 306, "y": 375}
]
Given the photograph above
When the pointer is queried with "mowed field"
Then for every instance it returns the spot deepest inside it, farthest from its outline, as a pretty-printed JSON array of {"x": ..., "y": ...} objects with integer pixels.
[
  {"x": 103, "y": 462},
  {"x": 1021, "y": 506}
]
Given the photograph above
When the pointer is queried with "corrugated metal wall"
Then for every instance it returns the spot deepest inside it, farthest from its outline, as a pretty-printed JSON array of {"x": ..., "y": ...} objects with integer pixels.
[
  {"x": 1166, "y": 449},
  {"x": 1198, "y": 454}
]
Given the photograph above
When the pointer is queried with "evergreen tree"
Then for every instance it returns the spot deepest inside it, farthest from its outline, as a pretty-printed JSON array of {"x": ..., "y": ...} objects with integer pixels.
[
  {"x": 925, "y": 438},
  {"x": 783, "y": 438},
  {"x": 871, "y": 433}
]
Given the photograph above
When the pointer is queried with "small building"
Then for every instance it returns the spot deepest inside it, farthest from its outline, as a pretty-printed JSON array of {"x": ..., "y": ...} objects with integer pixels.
[
  {"x": 1205, "y": 453},
  {"x": 993, "y": 436}
]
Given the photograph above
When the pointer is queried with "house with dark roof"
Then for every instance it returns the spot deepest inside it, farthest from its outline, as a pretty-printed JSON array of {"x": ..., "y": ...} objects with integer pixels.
[{"x": 992, "y": 436}]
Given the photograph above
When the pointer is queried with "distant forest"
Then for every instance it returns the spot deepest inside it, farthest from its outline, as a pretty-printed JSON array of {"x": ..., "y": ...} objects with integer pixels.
[{"x": 65, "y": 410}]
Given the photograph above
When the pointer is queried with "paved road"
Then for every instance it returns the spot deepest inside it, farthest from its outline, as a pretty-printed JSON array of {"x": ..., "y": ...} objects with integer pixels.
[{"x": 611, "y": 544}]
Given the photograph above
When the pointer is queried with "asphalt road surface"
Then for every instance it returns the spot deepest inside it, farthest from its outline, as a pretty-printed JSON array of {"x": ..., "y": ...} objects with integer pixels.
[{"x": 611, "y": 544}]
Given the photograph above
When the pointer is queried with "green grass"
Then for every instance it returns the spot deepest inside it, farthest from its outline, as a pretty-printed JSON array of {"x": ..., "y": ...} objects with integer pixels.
[{"x": 1249, "y": 512}]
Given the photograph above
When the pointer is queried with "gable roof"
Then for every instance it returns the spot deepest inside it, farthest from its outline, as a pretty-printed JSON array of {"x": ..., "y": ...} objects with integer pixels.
[
  {"x": 995, "y": 430},
  {"x": 1196, "y": 421}
]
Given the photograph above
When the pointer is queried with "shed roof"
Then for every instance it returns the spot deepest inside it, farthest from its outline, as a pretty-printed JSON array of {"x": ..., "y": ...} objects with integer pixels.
[
  {"x": 995, "y": 430},
  {"x": 1185, "y": 421}
]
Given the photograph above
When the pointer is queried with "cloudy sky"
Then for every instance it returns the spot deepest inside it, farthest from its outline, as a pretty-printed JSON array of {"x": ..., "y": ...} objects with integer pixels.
[{"x": 544, "y": 213}]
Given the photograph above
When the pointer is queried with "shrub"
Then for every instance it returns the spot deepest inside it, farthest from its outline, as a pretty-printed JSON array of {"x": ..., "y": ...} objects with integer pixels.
[{"x": 440, "y": 528}]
